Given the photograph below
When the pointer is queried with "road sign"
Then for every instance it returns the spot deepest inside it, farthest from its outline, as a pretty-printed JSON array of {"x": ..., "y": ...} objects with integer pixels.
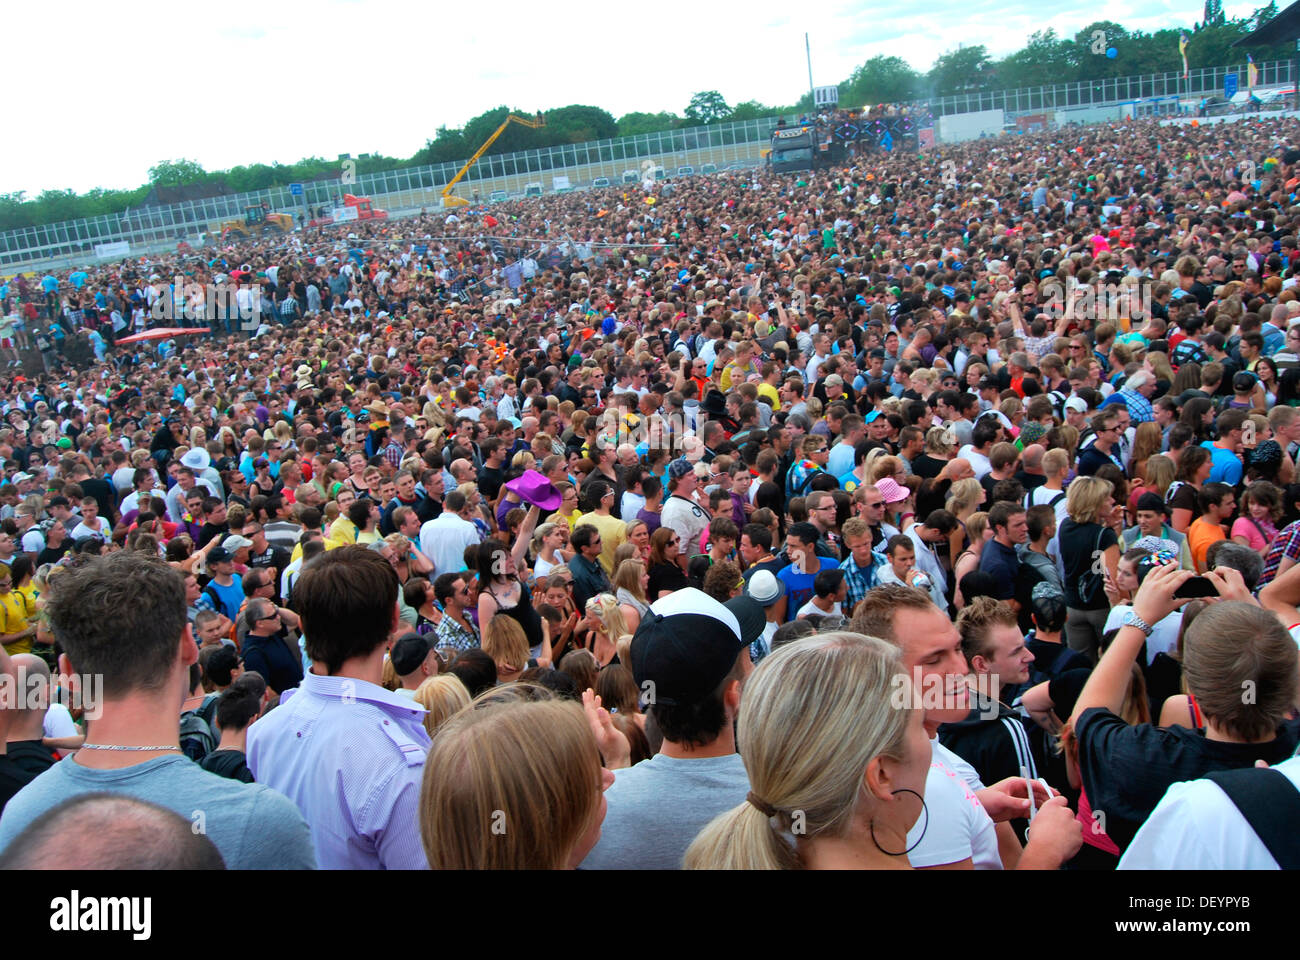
[
  {"x": 295, "y": 189},
  {"x": 826, "y": 96},
  {"x": 1229, "y": 86}
]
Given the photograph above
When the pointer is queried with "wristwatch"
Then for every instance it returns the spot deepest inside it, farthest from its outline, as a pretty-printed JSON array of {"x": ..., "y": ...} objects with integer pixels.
[{"x": 1131, "y": 619}]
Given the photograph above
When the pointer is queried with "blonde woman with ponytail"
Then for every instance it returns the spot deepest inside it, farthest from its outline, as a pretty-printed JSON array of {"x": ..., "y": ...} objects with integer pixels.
[{"x": 837, "y": 758}]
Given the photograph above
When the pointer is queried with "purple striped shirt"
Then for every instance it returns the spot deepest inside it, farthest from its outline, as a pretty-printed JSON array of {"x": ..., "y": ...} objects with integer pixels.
[{"x": 350, "y": 755}]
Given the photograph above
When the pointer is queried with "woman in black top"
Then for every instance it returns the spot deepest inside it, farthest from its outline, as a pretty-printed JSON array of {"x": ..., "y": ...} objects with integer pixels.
[
  {"x": 1084, "y": 539},
  {"x": 502, "y": 592},
  {"x": 665, "y": 574},
  {"x": 940, "y": 447}
]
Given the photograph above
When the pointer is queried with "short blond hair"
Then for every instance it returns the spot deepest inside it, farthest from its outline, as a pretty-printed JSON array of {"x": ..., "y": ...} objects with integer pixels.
[
  {"x": 443, "y": 696},
  {"x": 1086, "y": 497}
]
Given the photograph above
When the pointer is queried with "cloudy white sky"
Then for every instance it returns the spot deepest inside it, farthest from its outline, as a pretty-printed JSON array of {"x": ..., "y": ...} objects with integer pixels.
[{"x": 111, "y": 89}]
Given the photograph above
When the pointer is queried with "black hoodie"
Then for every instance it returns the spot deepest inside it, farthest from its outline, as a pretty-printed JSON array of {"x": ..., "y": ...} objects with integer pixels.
[{"x": 994, "y": 741}]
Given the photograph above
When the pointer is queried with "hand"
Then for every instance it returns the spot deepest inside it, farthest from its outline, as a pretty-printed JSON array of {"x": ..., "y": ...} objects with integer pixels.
[
  {"x": 1055, "y": 834},
  {"x": 1155, "y": 599},
  {"x": 1008, "y": 799},
  {"x": 1109, "y": 585},
  {"x": 1230, "y": 584},
  {"x": 613, "y": 744}
]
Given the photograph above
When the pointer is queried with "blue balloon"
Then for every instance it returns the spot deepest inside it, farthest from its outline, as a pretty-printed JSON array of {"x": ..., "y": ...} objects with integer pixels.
[{"x": 1112, "y": 53}]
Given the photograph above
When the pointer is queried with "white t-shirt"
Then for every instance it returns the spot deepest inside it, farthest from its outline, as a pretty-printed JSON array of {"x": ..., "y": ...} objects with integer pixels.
[
  {"x": 958, "y": 827},
  {"x": 1196, "y": 827},
  {"x": 978, "y": 462},
  {"x": 811, "y": 609},
  {"x": 1164, "y": 636},
  {"x": 58, "y": 722}
]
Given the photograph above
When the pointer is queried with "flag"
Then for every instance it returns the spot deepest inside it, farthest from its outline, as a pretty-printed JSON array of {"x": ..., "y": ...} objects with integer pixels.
[
  {"x": 1182, "y": 49},
  {"x": 1252, "y": 73}
]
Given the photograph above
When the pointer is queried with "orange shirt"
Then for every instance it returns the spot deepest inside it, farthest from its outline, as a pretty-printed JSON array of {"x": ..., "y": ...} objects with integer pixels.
[{"x": 1200, "y": 535}]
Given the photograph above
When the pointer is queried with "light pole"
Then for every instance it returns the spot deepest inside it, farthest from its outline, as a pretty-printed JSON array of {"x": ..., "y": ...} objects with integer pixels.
[{"x": 812, "y": 97}]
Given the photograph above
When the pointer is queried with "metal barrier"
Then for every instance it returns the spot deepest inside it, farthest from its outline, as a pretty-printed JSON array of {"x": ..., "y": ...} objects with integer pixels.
[
  {"x": 149, "y": 229},
  {"x": 1062, "y": 96}
]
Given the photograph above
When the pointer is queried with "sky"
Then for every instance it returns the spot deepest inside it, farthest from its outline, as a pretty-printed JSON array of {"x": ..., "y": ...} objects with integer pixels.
[{"x": 263, "y": 82}]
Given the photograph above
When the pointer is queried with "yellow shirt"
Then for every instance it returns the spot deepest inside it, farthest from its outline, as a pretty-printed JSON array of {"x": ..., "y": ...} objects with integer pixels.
[
  {"x": 613, "y": 531},
  {"x": 769, "y": 391},
  {"x": 15, "y": 608}
]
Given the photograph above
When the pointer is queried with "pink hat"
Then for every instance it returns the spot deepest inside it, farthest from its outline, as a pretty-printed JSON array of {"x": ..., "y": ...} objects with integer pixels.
[
  {"x": 535, "y": 489},
  {"x": 892, "y": 491}
]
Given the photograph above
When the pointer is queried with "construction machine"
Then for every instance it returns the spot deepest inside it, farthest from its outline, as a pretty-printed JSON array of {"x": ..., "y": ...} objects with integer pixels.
[
  {"x": 258, "y": 220},
  {"x": 449, "y": 199}
]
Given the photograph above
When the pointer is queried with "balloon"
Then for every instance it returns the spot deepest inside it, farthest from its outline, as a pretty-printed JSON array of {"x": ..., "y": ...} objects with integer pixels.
[{"x": 1112, "y": 53}]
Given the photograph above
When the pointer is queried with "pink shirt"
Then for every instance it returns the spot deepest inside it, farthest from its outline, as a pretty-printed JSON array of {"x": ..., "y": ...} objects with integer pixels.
[{"x": 1245, "y": 527}]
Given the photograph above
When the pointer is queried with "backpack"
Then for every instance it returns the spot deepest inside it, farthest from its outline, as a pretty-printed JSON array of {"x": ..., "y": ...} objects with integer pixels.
[
  {"x": 197, "y": 739},
  {"x": 1092, "y": 585},
  {"x": 1269, "y": 802},
  {"x": 1050, "y": 503}
]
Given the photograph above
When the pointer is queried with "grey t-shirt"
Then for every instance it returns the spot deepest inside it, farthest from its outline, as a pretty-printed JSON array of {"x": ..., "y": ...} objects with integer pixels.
[
  {"x": 657, "y": 808},
  {"x": 254, "y": 827}
]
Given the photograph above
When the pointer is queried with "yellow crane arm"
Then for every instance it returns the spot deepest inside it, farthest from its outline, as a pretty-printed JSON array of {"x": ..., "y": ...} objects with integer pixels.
[{"x": 512, "y": 118}]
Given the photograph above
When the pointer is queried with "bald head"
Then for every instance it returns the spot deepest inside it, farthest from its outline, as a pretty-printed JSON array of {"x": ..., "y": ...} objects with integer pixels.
[
  {"x": 959, "y": 468},
  {"x": 109, "y": 831},
  {"x": 1031, "y": 460}
]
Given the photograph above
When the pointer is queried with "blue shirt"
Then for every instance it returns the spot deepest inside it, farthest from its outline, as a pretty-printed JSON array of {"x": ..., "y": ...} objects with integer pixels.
[
  {"x": 860, "y": 579},
  {"x": 350, "y": 755},
  {"x": 799, "y": 586},
  {"x": 1226, "y": 465},
  {"x": 1002, "y": 564}
]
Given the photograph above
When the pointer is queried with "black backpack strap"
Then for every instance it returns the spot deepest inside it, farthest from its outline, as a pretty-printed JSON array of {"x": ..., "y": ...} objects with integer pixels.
[{"x": 1271, "y": 805}]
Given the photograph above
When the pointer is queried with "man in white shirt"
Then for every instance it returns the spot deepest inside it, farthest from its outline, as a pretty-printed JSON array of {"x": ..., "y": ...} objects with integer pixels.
[
  {"x": 444, "y": 539},
  {"x": 959, "y": 831},
  {"x": 1198, "y": 827},
  {"x": 936, "y": 528}
]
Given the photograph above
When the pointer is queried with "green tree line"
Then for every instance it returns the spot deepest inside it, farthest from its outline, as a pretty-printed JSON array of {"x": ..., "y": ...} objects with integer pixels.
[{"x": 1045, "y": 59}]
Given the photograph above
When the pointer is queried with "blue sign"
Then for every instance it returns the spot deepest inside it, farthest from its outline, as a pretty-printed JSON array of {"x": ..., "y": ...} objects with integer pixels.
[
  {"x": 1229, "y": 85},
  {"x": 295, "y": 189}
]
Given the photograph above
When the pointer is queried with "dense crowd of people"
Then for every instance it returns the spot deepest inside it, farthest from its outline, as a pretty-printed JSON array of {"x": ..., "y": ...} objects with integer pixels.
[{"x": 936, "y": 511}]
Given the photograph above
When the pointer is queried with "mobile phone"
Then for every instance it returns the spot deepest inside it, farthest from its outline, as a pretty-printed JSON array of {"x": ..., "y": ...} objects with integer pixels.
[{"x": 1196, "y": 587}]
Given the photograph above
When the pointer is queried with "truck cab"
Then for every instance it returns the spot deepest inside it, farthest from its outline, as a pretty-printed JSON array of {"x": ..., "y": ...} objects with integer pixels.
[
  {"x": 532, "y": 189},
  {"x": 793, "y": 150}
]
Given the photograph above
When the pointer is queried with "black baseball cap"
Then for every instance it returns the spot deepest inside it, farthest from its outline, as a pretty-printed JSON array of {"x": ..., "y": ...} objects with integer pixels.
[
  {"x": 219, "y": 555},
  {"x": 1152, "y": 502},
  {"x": 409, "y": 652},
  {"x": 688, "y": 642}
]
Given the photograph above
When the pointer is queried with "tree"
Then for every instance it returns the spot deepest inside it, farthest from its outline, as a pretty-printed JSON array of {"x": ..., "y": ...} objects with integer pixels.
[
  {"x": 632, "y": 124},
  {"x": 880, "y": 80},
  {"x": 750, "y": 110},
  {"x": 1045, "y": 59},
  {"x": 1213, "y": 16},
  {"x": 707, "y": 106},
  {"x": 176, "y": 173},
  {"x": 576, "y": 124},
  {"x": 964, "y": 70}
]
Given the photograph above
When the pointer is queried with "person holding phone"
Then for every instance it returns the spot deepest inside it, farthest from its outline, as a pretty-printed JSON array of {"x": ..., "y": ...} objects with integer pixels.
[{"x": 1125, "y": 769}]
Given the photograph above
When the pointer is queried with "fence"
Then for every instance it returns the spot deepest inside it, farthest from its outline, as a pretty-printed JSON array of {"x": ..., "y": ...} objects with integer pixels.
[
  {"x": 1063, "y": 96},
  {"x": 158, "y": 228},
  {"x": 403, "y": 187}
]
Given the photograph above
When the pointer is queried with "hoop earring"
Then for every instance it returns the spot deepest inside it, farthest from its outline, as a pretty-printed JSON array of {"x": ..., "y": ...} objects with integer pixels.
[{"x": 904, "y": 853}]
